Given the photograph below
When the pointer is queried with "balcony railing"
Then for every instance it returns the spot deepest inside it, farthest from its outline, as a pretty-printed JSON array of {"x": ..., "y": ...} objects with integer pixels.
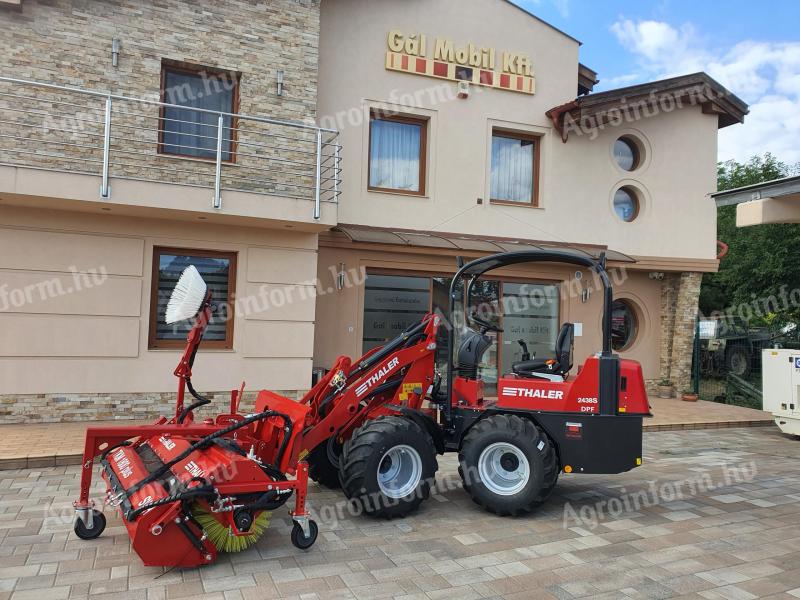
[{"x": 89, "y": 132}]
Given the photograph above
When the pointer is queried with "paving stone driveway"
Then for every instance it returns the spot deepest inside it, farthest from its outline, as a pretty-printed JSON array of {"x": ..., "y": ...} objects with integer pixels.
[{"x": 711, "y": 514}]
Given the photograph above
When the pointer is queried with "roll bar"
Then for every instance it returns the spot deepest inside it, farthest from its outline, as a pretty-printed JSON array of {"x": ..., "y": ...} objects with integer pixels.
[{"x": 480, "y": 266}]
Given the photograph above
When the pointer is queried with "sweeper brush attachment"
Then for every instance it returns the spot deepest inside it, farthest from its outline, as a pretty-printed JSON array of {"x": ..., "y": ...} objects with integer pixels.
[
  {"x": 187, "y": 297},
  {"x": 187, "y": 490},
  {"x": 224, "y": 538}
]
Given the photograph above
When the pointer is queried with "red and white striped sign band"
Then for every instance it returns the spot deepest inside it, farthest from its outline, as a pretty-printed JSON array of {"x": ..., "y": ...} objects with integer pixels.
[{"x": 406, "y": 63}]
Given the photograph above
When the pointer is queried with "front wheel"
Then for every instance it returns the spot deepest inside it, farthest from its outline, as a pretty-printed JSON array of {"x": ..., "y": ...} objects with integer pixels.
[
  {"x": 387, "y": 466},
  {"x": 300, "y": 539},
  {"x": 90, "y": 533},
  {"x": 508, "y": 465}
]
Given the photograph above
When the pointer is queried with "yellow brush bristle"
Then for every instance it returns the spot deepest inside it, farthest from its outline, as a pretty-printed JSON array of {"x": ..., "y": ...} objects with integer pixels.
[{"x": 225, "y": 540}]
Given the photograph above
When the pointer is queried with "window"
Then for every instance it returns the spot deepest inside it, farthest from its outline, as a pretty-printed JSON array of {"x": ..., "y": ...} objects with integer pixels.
[
  {"x": 218, "y": 270},
  {"x": 627, "y": 154},
  {"x": 187, "y": 132},
  {"x": 515, "y": 165},
  {"x": 530, "y": 315},
  {"x": 624, "y": 325},
  {"x": 392, "y": 303},
  {"x": 626, "y": 204},
  {"x": 397, "y": 147},
  {"x": 526, "y": 311}
]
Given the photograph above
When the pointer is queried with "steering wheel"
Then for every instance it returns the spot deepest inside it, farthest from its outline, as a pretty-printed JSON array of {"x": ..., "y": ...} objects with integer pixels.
[{"x": 486, "y": 325}]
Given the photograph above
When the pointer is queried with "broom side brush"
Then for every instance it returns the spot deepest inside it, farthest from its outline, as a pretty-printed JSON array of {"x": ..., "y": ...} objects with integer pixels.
[{"x": 187, "y": 297}]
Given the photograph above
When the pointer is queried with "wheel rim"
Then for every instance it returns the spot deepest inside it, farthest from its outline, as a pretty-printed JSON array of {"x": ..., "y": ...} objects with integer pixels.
[
  {"x": 399, "y": 471},
  {"x": 503, "y": 469},
  {"x": 738, "y": 363}
]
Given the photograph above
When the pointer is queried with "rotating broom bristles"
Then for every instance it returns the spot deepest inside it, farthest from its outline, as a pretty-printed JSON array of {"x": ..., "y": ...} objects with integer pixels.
[
  {"x": 187, "y": 297},
  {"x": 222, "y": 537}
]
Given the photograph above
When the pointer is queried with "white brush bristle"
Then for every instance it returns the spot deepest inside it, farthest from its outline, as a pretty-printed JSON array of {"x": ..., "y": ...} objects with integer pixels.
[{"x": 188, "y": 295}]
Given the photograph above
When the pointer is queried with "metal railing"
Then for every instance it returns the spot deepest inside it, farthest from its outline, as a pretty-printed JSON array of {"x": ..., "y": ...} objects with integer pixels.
[{"x": 83, "y": 131}]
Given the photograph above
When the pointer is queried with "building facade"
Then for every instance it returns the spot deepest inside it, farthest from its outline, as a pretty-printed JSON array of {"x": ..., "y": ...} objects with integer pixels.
[
  {"x": 85, "y": 275},
  {"x": 470, "y": 128},
  {"x": 324, "y": 165}
]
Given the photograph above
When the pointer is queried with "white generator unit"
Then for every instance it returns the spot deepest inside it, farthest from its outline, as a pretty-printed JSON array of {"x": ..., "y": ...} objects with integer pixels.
[{"x": 780, "y": 369}]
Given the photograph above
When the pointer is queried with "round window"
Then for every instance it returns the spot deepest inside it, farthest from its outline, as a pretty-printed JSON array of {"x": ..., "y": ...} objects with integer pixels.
[
  {"x": 624, "y": 325},
  {"x": 626, "y": 204},
  {"x": 626, "y": 153}
]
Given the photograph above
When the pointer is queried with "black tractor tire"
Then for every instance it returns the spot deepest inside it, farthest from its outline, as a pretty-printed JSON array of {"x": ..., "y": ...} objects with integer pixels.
[
  {"x": 320, "y": 468},
  {"x": 368, "y": 455},
  {"x": 509, "y": 438},
  {"x": 737, "y": 361}
]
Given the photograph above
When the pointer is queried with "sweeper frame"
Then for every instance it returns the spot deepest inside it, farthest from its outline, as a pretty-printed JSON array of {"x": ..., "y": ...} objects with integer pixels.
[{"x": 175, "y": 480}]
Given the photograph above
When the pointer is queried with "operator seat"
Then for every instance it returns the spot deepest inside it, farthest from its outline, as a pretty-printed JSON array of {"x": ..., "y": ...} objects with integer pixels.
[{"x": 544, "y": 367}]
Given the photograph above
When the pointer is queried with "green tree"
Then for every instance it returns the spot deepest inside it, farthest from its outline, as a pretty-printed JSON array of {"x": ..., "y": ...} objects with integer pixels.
[{"x": 761, "y": 259}]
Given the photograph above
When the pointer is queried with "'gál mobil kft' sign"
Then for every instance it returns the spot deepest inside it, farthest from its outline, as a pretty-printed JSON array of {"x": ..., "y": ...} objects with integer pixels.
[{"x": 442, "y": 58}]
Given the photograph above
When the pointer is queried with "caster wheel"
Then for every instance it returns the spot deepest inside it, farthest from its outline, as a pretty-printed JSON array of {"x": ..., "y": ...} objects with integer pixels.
[
  {"x": 300, "y": 540},
  {"x": 98, "y": 525}
]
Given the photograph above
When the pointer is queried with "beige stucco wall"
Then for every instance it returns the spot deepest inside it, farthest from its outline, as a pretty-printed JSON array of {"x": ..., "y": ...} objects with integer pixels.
[
  {"x": 577, "y": 179},
  {"x": 340, "y": 313},
  {"x": 94, "y": 340}
]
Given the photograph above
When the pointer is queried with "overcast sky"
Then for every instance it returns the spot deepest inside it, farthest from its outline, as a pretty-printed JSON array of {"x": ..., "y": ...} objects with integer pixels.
[{"x": 751, "y": 47}]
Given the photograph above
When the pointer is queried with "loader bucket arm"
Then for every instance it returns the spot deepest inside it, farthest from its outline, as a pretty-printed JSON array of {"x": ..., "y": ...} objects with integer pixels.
[{"x": 338, "y": 406}]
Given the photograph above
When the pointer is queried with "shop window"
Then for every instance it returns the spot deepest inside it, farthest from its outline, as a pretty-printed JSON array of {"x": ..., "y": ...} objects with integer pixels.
[
  {"x": 515, "y": 166},
  {"x": 397, "y": 150},
  {"x": 530, "y": 314},
  {"x": 527, "y": 311},
  {"x": 624, "y": 325},
  {"x": 627, "y": 153},
  {"x": 218, "y": 270},
  {"x": 392, "y": 303},
  {"x": 192, "y": 133},
  {"x": 626, "y": 204}
]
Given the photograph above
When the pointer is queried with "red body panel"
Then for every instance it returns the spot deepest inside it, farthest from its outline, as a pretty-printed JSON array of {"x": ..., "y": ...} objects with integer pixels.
[
  {"x": 577, "y": 395},
  {"x": 467, "y": 392}
]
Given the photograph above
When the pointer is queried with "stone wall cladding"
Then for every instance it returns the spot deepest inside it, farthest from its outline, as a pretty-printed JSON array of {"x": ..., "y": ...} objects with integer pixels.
[
  {"x": 58, "y": 408},
  {"x": 68, "y": 42},
  {"x": 680, "y": 293}
]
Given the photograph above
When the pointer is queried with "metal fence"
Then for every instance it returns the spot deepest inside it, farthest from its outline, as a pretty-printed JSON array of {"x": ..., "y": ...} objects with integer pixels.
[
  {"x": 84, "y": 131},
  {"x": 727, "y": 360}
]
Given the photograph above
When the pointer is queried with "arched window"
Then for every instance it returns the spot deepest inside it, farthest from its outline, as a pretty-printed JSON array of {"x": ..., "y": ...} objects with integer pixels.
[{"x": 624, "y": 325}]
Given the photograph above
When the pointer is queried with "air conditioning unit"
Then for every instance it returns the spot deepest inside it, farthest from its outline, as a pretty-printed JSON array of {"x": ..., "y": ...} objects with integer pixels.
[
  {"x": 780, "y": 370},
  {"x": 463, "y": 89}
]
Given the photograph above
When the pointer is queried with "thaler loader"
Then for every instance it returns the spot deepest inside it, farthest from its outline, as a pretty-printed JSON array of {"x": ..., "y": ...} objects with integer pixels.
[{"x": 373, "y": 427}]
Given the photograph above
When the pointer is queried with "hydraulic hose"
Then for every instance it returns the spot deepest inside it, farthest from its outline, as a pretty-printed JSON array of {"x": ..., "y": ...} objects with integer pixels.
[
  {"x": 201, "y": 401},
  {"x": 206, "y": 490},
  {"x": 203, "y": 443}
]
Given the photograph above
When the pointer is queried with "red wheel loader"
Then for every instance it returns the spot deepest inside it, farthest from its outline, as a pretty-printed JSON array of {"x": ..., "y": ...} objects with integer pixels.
[
  {"x": 375, "y": 425},
  {"x": 372, "y": 426}
]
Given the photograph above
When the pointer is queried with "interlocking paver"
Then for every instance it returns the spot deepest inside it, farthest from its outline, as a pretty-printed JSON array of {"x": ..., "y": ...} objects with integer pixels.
[{"x": 736, "y": 538}]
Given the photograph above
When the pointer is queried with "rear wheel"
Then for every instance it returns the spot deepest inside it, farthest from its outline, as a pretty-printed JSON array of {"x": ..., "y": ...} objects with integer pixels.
[
  {"x": 387, "y": 466},
  {"x": 508, "y": 465},
  {"x": 320, "y": 468},
  {"x": 738, "y": 361}
]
